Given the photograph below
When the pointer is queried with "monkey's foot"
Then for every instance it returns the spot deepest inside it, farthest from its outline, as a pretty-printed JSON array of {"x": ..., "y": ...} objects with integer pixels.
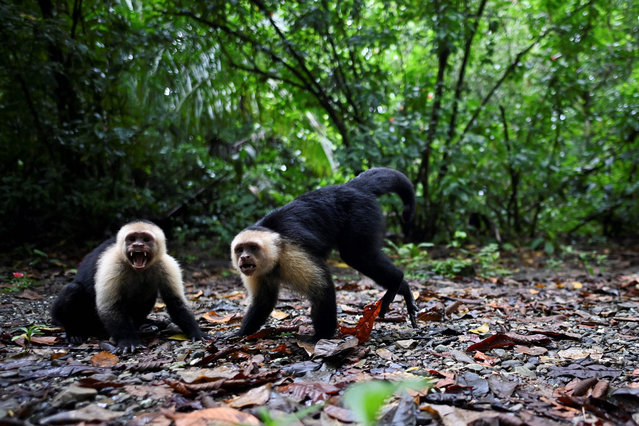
[
  {"x": 411, "y": 306},
  {"x": 387, "y": 299}
]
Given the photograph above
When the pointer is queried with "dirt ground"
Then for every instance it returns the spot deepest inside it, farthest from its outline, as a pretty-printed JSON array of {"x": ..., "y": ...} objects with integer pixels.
[{"x": 547, "y": 343}]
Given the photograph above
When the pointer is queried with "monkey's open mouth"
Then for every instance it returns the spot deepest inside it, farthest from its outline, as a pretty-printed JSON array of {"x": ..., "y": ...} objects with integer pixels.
[
  {"x": 247, "y": 268},
  {"x": 139, "y": 259}
]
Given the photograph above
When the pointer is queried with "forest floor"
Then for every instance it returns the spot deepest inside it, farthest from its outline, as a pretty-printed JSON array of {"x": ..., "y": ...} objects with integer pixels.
[{"x": 549, "y": 342}]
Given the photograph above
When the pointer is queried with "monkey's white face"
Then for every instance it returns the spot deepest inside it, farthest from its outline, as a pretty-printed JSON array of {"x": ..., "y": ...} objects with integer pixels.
[
  {"x": 255, "y": 252},
  {"x": 247, "y": 257},
  {"x": 139, "y": 249}
]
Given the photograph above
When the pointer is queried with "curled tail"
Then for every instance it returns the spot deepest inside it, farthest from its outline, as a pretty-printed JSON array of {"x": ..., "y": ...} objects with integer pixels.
[{"x": 381, "y": 181}]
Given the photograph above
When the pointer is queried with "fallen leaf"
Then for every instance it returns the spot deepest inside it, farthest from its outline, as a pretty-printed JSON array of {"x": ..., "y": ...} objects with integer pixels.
[
  {"x": 155, "y": 392},
  {"x": 199, "y": 375},
  {"x": 533, "y": 350},
  {"x": 453, "y": 416},
  {"x": 208, "y": 415},
  {"x": 431, "y": 315},
  {"x": 576, "y": 285},
  {"x": 584, "y": 372},
  {"x": 45, "y": 340},
  {"x": 29, "y": 295},
  {"x": 334, "y": 347},
  {"x": 579, "y": 353},
  {"x": 104, "y": 359},
  {"x": 501, "y": 340},
  {"x": 150, "y": 419},
  {"x": 214, "y": 318},
  {"x": 255, "y": 396},
  {"x": 498, "y": 340},
  {"x": 90, "y": 413},
  {"x": 365, "y": 325},
  {"x": 314, "y": 391},
  {"x": 91, "y": 382},
  {"x": 406, "y": 344},
  {"x": 279, "y": 315},
  {"x": 486, "y": 359},
  {"x": 180, "y": 337},
  {"x": 342, "y": 414},
  {"x": 384, "y": 353},
  {"x": 481, "y": 329}
]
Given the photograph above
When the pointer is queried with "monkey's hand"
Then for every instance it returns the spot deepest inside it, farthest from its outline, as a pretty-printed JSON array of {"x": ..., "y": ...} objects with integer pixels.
[
  {"x": 200, "y": 335},
  {"x": 75, "y": 339},
  {"x": 129, "y": 345}
]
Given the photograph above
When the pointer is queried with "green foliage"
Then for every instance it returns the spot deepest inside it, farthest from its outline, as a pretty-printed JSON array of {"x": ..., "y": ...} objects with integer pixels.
[
  {"x": 269, "y": 420},
  {"x": 413, "y": 257},
  {"x": 589, "y": 260},
  {"x": 28, "y": 332},
  {"x": 452, "y": 267},
  {"x": 205, "y": 115},
  {"x": 417, "y": 264},
  {"x": 487, "y": 261},
  {"x": 18, "y": 282},
  {"x": 367, "y": 398}
]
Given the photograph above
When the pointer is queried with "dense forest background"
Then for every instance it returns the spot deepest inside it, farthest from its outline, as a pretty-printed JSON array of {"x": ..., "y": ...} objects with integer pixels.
[{"x": 516, "y": 120}]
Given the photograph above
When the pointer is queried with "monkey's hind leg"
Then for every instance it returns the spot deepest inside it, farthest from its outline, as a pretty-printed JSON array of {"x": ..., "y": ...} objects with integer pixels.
[
  {"x": 380, "y": 269},
  {"x": 75, "y": 310}
]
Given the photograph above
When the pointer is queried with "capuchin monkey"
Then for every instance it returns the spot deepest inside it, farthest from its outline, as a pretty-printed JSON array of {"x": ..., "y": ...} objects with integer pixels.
[
  {"x": 117, "y": 285},
  {"x": 291, "y": 244}
]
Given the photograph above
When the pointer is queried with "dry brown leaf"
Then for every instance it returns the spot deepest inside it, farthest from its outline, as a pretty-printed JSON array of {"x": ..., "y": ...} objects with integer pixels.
[
  {"x": 333, "y": 347},
  {"x": 339, "y": 413},
  {"x": 90, "y": 413},
  {"x": 29, "y": 295},
  {"x": 214, "y": 318},
  {"x": 365, "y": 325},
  {"x": 150, "y": 419},
  {"x": 433, "y": 314},
  {"x": 154, "y": 392},
  {"x": 255, "y": 396},
  {"x": 104, "y": 359},
  {"x": 279, "y": 315},
  {"x": 44, "y": 340},
  {"x": 384, "y": 353},
  {"x": 314, "y": 391},
  {"x": 206, "y": 416}
]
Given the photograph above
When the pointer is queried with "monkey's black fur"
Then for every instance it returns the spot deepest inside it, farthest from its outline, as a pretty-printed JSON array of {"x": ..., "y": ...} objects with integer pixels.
[
  {"x": 74, "y": 307},
  {"x": 346, "y": 217}
]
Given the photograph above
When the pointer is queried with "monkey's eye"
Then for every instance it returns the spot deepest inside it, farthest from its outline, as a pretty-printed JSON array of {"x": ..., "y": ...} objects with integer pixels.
[
  {"x": 252, "y": 247},
  {"x": 147, "y": 239}
]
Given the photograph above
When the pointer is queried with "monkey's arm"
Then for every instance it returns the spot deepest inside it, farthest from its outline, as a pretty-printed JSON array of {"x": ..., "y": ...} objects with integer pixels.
[
  {"x": 112, "y": 306},
  {"x": 172, "y": 293},
  {"x": 119, "y": 324},
  {"x": 262, "y": 304}
]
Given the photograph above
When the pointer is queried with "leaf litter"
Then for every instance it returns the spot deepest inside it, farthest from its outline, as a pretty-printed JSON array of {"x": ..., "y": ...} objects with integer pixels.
[{"x": 538, "y": 347}]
